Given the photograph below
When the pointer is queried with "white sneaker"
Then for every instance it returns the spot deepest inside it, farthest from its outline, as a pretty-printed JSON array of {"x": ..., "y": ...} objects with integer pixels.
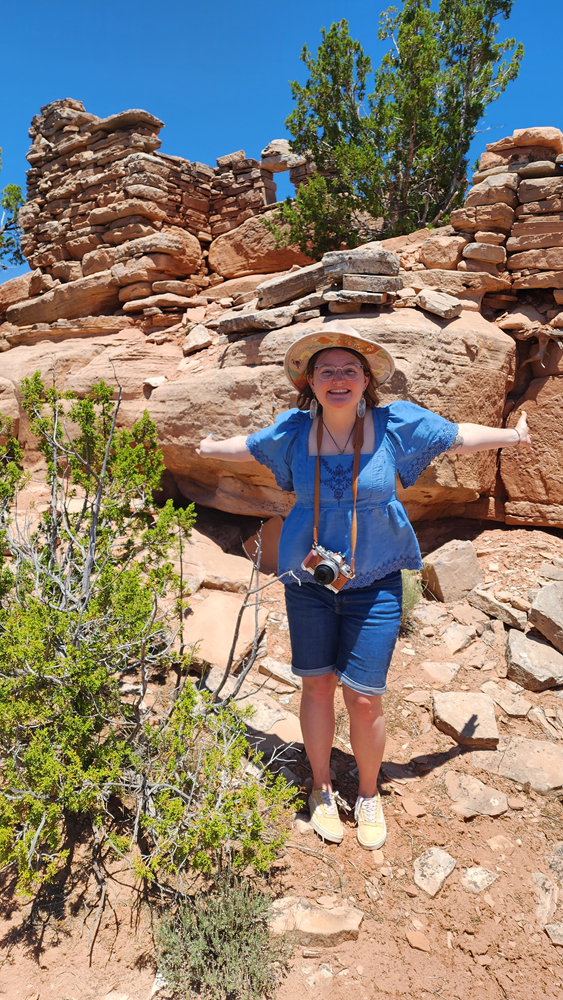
[
  {"x": 372, "y": 831},
  {"x": 324, "y": 815}
]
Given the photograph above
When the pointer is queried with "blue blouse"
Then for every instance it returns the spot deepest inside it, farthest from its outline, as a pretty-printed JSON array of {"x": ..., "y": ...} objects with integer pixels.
[{"x": 407, "y": 438}]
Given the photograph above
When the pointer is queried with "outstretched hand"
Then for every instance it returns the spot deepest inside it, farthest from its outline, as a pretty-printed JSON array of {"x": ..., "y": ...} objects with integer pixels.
[
  {"x": 523, "y": 429},
  {"x": 204, "y": 448}
]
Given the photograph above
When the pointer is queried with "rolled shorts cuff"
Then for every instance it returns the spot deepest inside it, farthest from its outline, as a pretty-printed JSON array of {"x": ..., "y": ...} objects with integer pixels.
[
  {"x": 316, "y": 672},
  {"x": 360, "y": 688}
]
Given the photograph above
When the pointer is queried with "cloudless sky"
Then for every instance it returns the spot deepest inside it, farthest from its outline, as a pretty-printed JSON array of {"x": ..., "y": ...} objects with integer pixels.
[{"x": 217, "y": 73}]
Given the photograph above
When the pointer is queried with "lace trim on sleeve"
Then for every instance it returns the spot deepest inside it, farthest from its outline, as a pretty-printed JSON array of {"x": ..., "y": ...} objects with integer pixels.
[
  {"x": 441, "y": 443},
  {"x": 264, "y": 459}
]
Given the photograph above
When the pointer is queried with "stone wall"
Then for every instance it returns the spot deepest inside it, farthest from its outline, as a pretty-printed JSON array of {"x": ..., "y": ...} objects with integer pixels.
[{"x": 162, "y": 274}]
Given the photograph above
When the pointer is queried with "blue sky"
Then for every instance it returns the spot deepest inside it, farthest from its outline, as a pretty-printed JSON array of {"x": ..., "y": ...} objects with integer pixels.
[{"x": 217, "y": 73}]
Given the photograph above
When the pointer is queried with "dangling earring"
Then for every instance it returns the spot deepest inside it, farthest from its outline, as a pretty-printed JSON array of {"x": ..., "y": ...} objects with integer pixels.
[
  {"x": 313, "y": 408},
  {"x": 361, "y": 407}
]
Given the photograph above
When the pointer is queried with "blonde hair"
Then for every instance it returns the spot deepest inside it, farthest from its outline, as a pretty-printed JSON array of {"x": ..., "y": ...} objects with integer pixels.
[{"x": 306, "y": 394}]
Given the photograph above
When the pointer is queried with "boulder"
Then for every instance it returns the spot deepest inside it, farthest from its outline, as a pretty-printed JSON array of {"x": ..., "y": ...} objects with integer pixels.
[
  {"x": 443, "y": 252},
  {"x": 546, "y": 613},
  {"x": 461, "y": 284},
  {"x": 485, "y": 252},
  {"x": 471, "y": 218},
  {"x": 451, "y": 571},
  {"x": 176, "y": 242},
  {"x": 251, "y": 249},
  {"x": 468, "y": 717},
  {"x": 533, "y": 664},
  {"x": 197, "y": 340},
  {"x": 89, "y": 296},
  {"x": 538, "y": 189},
  {"x": 14, "y": 290},
  {"x": 432, "y": 868},
  {"x": 472, "y": 797},
  {"x": 495, "y": 189},
  {"x": 539, "y": 762},
  {"x": 550, "y": 259},
  {"x": 289, "y": 286}
]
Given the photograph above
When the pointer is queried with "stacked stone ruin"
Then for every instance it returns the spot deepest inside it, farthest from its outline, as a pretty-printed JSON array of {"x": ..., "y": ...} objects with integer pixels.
[{"x": 121, "y": 237}]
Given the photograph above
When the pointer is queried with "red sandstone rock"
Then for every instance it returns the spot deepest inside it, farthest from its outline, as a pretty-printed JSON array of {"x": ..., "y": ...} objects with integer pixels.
[
  {"x": 85, "y": 297},
  {"x": 442, "y": 252},
  {"x": 251, "y": 249},
  {"x": 14, "y": 290}
]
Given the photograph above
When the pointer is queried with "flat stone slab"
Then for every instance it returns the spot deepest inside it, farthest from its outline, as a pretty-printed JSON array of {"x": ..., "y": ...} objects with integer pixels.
[
  {"x": 281, "y": 671},
  {"x": 265, "y": 319},
  {"x": 371, "y": 283},
  {"x": 477, "y": 879},
  {"x": 472, "y": 797},
  {"x": 534, "y": 664},
  {"x": 539, "y": 762},
  {"x": 439, "y": 303},
  {"x": 315, "y": 925},
  {"x": 369, "y": 298},
  {"x": 368, "y": 259},
  {"x": 452, "y": 570},
  {"x": 547, "y": 895},
  {"x": 485, "y": 601},
  {"x": 432, "y": 868},
  {"x": 546, "y": 613},
  {"x": 289, "y": 286},
  {"x": 440, "y": 673},
  {"x": 511, "y": 704},
  {"x": 468, "y": 717},
  {"x": 457, "y": 637}
]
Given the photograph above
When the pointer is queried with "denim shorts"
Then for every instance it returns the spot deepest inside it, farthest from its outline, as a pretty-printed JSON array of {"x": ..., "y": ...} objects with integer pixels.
[{"x": 351, "y": 634}]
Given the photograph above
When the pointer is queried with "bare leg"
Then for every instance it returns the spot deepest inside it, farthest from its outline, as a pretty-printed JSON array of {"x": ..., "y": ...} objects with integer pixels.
[
  {"x": 367, "y": 736},
  {"x": 317, "y": 724}
]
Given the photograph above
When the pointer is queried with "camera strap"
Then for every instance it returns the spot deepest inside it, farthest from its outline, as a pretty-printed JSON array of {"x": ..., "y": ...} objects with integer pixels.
[{"x": 358, "y": 442}]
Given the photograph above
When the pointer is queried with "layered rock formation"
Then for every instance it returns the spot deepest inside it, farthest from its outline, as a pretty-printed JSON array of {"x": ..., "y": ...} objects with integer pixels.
[{"x": 163, "y": 275}]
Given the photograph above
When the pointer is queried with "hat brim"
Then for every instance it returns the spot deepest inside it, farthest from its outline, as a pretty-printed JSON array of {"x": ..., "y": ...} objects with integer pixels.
[{"x": 297, "y": 357}]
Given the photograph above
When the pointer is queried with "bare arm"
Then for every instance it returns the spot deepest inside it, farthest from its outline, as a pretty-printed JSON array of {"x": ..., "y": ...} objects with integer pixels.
[
  {"x": 232, "y": 449},
  {"x": 474, "y": 437}
]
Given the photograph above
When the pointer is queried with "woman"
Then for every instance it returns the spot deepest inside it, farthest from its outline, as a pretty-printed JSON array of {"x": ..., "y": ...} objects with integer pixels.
[{"x": 342, "y": 458}]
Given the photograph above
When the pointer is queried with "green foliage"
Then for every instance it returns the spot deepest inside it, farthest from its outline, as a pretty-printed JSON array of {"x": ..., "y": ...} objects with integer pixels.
[
  {"x": 412, "y": 592},
  {"x": 395, "y": 159},
  {"x": 11, "y": 200},
  {"x": 219, "y": 946},
  {"x": 93, "y": 595}
]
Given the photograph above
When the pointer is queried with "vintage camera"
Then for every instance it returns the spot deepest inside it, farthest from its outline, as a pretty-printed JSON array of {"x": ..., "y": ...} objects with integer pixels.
[{"x": 327, "y": 568}]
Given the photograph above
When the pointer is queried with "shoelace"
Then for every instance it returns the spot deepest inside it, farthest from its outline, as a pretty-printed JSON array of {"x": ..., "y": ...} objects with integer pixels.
[
  {"x": 328, "y": 802},
  {"x": 369, "y": 808}
]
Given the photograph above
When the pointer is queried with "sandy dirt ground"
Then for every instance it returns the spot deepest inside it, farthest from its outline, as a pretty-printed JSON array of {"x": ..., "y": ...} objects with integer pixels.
[{"x": 488, "y": 946}]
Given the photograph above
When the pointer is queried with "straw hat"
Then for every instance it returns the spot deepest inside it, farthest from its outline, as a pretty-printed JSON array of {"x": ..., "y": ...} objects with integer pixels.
[{"x": 336, "y": 334}]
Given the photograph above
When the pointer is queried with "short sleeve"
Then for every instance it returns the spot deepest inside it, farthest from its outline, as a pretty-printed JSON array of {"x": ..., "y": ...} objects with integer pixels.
[
  {"x": 274, "y": 446},
  {"x": 419, "y": 435}
]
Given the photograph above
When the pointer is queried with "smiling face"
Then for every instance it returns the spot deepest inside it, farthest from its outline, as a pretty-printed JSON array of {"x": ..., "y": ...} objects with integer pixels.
[{"x": 339, "y": 393}]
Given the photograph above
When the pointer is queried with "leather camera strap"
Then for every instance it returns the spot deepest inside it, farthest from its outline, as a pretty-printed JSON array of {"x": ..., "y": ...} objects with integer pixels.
[{"x": 358, "y": 443}]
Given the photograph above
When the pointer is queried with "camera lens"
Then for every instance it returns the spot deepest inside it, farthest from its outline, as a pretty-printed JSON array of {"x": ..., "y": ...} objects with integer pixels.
[{"x": 324, "y": 574}]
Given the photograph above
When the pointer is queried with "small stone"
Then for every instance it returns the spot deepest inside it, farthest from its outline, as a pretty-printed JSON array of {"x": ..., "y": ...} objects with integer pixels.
[
  {"x": 410, "y": 890},
  {"x": 500, "y": 844},
  {"x": 440, "y": 673},
  {"x": 550, "y": 572},
  {"x": 547, "y": 898},
  {"x": 467, "y": 717},
  {"x": 432, "y": 868},
  {"x": 515, "y": 803},
  {"x": 418, "y": 940},
  {"x": 281, "y": 671},
  {"x": 457, "y": 637},
  {"x": 313, "y": 924},
  {"x": 360, "y": 970},
  {"x": 555, "y": 932},
  {"x": 377, "y": 857},
  {"x": 302, "y": 825},
  {"x": 428, "y": 632},
  {"x": 154, "y": 381},
  {"x": 419, "y": 697},
  {"x": 477, "y": 879},
  {"x": 312, "y": 953},
  {"x": 412, "y": 808}
]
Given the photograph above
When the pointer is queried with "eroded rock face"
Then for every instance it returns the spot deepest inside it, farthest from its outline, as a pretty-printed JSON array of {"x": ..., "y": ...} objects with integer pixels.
[{"x": 251, "y": 249}]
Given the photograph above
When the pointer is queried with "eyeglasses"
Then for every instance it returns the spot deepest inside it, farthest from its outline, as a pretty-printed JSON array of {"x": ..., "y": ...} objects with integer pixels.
[{"x": 351, "y": 372}]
